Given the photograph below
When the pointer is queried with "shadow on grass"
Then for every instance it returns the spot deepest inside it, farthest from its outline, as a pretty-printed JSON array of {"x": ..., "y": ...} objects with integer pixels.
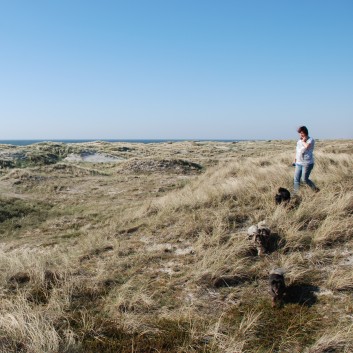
[
  {"x": 275, "y": 243},
  {"x": 229, "y": 281},
  {"x": 301, "y": 293}
]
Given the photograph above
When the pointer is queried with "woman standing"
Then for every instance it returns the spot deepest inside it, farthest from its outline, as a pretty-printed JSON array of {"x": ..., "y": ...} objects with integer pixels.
[{"x": 304, "y": 159}]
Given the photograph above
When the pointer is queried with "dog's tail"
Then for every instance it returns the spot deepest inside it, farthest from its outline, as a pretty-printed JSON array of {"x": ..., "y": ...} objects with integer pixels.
[
  {"x": 252, "y": 230},
  {"x": 278, "y": 271}
]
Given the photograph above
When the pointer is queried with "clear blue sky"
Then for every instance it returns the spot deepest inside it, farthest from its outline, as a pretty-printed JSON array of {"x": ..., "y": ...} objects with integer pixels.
[{"x": 193, "y": 69}]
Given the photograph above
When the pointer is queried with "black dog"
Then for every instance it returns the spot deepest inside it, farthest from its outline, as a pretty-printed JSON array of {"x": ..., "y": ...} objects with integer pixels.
[
  {"x": 277, "y": 286},
  {"x": 283, "y": 195}
]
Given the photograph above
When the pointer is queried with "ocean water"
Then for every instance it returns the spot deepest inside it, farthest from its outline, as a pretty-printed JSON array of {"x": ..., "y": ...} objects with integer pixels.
[{"x": 31, "y": 142}]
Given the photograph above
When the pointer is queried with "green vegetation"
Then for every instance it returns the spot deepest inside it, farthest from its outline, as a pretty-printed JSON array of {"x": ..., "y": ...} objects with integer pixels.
[{"x": 17, "y": 213}]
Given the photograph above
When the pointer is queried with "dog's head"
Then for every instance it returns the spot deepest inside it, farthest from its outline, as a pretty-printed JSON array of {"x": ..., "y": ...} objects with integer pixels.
[
  {"x": 265, "y": 233},
  {"x": 261, "y": 241},
  {"x": 277, "y": 285},
  {"x": 283, "y": 195}
]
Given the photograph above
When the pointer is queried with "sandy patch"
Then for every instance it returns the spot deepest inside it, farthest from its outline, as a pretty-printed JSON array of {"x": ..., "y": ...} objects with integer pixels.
[
  {"x": 160, "y": 247},
  {"x": 348, "y": 261},
  {"x": 185, "y": 251},
  {"x": 92, "y": 158}
]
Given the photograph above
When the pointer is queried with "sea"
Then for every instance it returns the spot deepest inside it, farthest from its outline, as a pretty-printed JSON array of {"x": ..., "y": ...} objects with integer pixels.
[{"x": 31, "y": 142}]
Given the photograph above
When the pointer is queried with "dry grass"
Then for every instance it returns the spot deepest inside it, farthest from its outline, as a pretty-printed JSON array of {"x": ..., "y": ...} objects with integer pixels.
[{"x": 151, "y": 254}]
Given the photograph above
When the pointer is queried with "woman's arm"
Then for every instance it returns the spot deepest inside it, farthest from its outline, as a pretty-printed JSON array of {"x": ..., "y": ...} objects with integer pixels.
[{"x": 305, "y": 144}]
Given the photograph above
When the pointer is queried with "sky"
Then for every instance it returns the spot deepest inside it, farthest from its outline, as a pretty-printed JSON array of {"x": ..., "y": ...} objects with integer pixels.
[{"x": 175, "y": 69}]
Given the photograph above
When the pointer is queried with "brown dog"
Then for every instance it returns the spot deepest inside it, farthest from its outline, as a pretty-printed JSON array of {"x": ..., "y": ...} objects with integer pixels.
[
  {"x": 260, "y": 235},
  {"x": 277, "y": 286}
]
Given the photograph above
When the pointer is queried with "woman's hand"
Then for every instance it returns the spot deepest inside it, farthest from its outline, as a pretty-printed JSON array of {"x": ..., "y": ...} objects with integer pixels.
[{"x": 305, "y": 144}]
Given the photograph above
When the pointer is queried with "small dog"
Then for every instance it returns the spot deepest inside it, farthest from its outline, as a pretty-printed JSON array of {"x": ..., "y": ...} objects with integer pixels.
[
  {"x": 283, "y": 195},
  {"x": 260, "y": 236},
  {"x": 277, "y": 286}
]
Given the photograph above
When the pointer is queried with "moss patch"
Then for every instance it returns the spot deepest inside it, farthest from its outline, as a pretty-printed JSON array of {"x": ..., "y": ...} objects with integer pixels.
[
  {"x": 16, "y": 213},
  {"x": 163, "y": 335},
  {"x": 278, "y": 329}
]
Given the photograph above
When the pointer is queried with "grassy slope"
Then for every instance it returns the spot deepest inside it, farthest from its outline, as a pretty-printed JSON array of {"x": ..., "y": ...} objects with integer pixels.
[{"x": 130, "y": 257}]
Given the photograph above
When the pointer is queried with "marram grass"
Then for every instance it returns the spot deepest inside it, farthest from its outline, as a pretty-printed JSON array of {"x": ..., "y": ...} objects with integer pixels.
[{"x": 151, "y": 254}]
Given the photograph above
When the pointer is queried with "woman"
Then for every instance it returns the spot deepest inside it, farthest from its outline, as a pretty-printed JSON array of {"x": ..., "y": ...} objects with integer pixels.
[{"x": 304, "y": 159}]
